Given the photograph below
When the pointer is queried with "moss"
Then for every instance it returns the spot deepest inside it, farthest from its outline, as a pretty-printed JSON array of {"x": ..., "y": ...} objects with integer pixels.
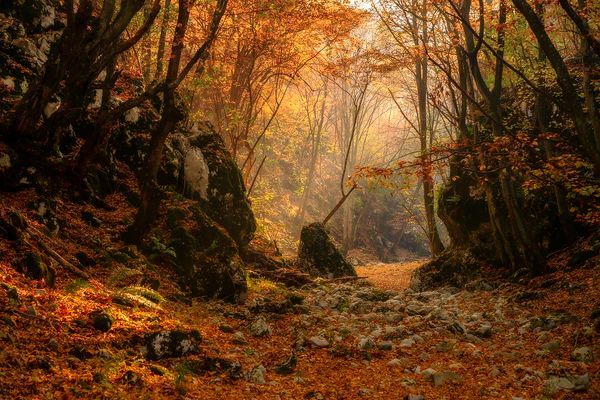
[
  {"x": 76, "y": 285},
  {"x": 144, "y": 292}
]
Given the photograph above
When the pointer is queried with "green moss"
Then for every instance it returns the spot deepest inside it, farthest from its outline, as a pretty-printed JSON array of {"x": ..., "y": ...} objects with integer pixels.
[
  {"x": 144, "y": 292},
  {"x": 76, "y": 285}
]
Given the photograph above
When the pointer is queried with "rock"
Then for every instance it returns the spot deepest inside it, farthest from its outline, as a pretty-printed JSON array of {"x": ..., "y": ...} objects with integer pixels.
[
  {"x": 203, "y": 169},
  {"x": 260, "y": 328},
  {"x": 13, "y": 296},
  {"x": 555, "y": 384},
  {"x": 552, "y": 346},
  {"x": 319, "y": 256},
  {"x": 365, "y": 343},
  {"x": 484, "y": 331},
  {"x": 444, "y": 346},
  {"x": 398, "y": 362},
  {"x": 239, "y": 338},
  {"x": 414, "y": 397},
  {"x": 439, "y": 378},
  {"x": 257, "y": 375},
  {"x": 318, "y": 341},
  {"x": 288, "y": 366},
  {"x": 583, "y": 354},
  {"x": 581, "y": 383},
  {"x": 207, "y": 259},
  {"x": 457, "y": 327},
  {"x": 226, "y": 329},
  {"x": 101, "y": 320},
  {"x": 385, "y": 345},
  {"x": 407, "y": 343},
  {"x": 169, "y": 344}
]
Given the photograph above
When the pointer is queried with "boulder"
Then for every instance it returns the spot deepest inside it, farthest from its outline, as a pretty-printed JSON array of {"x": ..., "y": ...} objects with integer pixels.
[
  {"x": 207, "y": 258},
  {"x": 201, "y": 167},
  {"x": 319, "y": 256}
]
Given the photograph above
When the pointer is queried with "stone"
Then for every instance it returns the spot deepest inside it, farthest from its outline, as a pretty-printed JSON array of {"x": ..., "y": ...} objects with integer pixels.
[
  {"x": 483, "y": 331},
  {"x": 170, "y": 344},
  {"x": 260, "y": 328},
  {"x": 319, "y": 256},
  {"x": 101, "y": 320},
  {"x": 288, "y": 366},
  {"x": 13, "y": 296},
  {"x": 583, "y": 354},
  {"x": 239, "y": 338},
  {"x": 385, "y": 345},
  {"x": 407, "y": 343},
  {"x": 581, "y": 383},
  {"x": 414, "y": 397},
  {"x": 318, "y": 341},
  {"x": 207, "y": 259},
  {"x": 439, "y": 378},
  {"x": 398, "y": 362},
  {"x": 555, "y": 384},
  {"x": 552, "y": 346},
  {"x": 203, "y": 169},
  {"x": 257, "y": 375},
  {"x": 366, "y": 343}
]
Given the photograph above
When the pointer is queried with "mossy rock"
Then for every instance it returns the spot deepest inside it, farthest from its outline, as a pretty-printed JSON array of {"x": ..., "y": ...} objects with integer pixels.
[
  {"x": 101, "y": 320},
  {"x": 319, "y": 256},
  {"x": 207, "y": 260},
  {"x": 453, "y": 267}
]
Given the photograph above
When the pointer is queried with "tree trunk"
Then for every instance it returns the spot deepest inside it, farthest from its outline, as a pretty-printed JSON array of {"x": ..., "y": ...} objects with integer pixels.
[{"x": 572, "y": 102}]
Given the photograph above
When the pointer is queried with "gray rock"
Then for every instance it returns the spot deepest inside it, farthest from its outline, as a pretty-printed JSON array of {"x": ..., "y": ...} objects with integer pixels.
[
  {"x": 551, "y": 346},
  {"x": 385, "y": 345},
  {"x": 239, "y": 338},
  {"x": 407, "y": 343},
  {"x": 583, "y": 354},
  {"x": 414, "y": 397},
  {"x": 366, "y": 343},
  {"x": 398, "y": 362},
  {"x": 581, "y": 383},
  {"x": 257, "y": 375},
  {"x": 260, "y": 328},
  {"x": 439, "y": 378},
  {"x": 555, "y": 384},
  {"x": 318, "y": 341}
]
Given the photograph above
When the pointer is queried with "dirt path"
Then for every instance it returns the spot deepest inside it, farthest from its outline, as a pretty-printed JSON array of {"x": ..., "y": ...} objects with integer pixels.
[{"x": 389, "y": 276}]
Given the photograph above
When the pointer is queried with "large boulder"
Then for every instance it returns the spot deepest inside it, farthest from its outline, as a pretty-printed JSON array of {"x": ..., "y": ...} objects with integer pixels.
[
  {"x": 203, "y": 169},
  {"x": 319, "y": 256},
  {"x": 207, "y": 258}
]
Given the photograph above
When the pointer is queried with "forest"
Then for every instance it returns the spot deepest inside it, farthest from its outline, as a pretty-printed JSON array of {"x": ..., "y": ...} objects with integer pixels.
[{"x": 300, "y": 199}]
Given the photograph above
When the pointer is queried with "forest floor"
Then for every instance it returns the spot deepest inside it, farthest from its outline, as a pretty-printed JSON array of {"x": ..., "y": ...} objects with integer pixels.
[
  {"x": 351, "y": 340},
  {"x": 364, "y": 339},
  {"x": 392, "y": 276}
]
